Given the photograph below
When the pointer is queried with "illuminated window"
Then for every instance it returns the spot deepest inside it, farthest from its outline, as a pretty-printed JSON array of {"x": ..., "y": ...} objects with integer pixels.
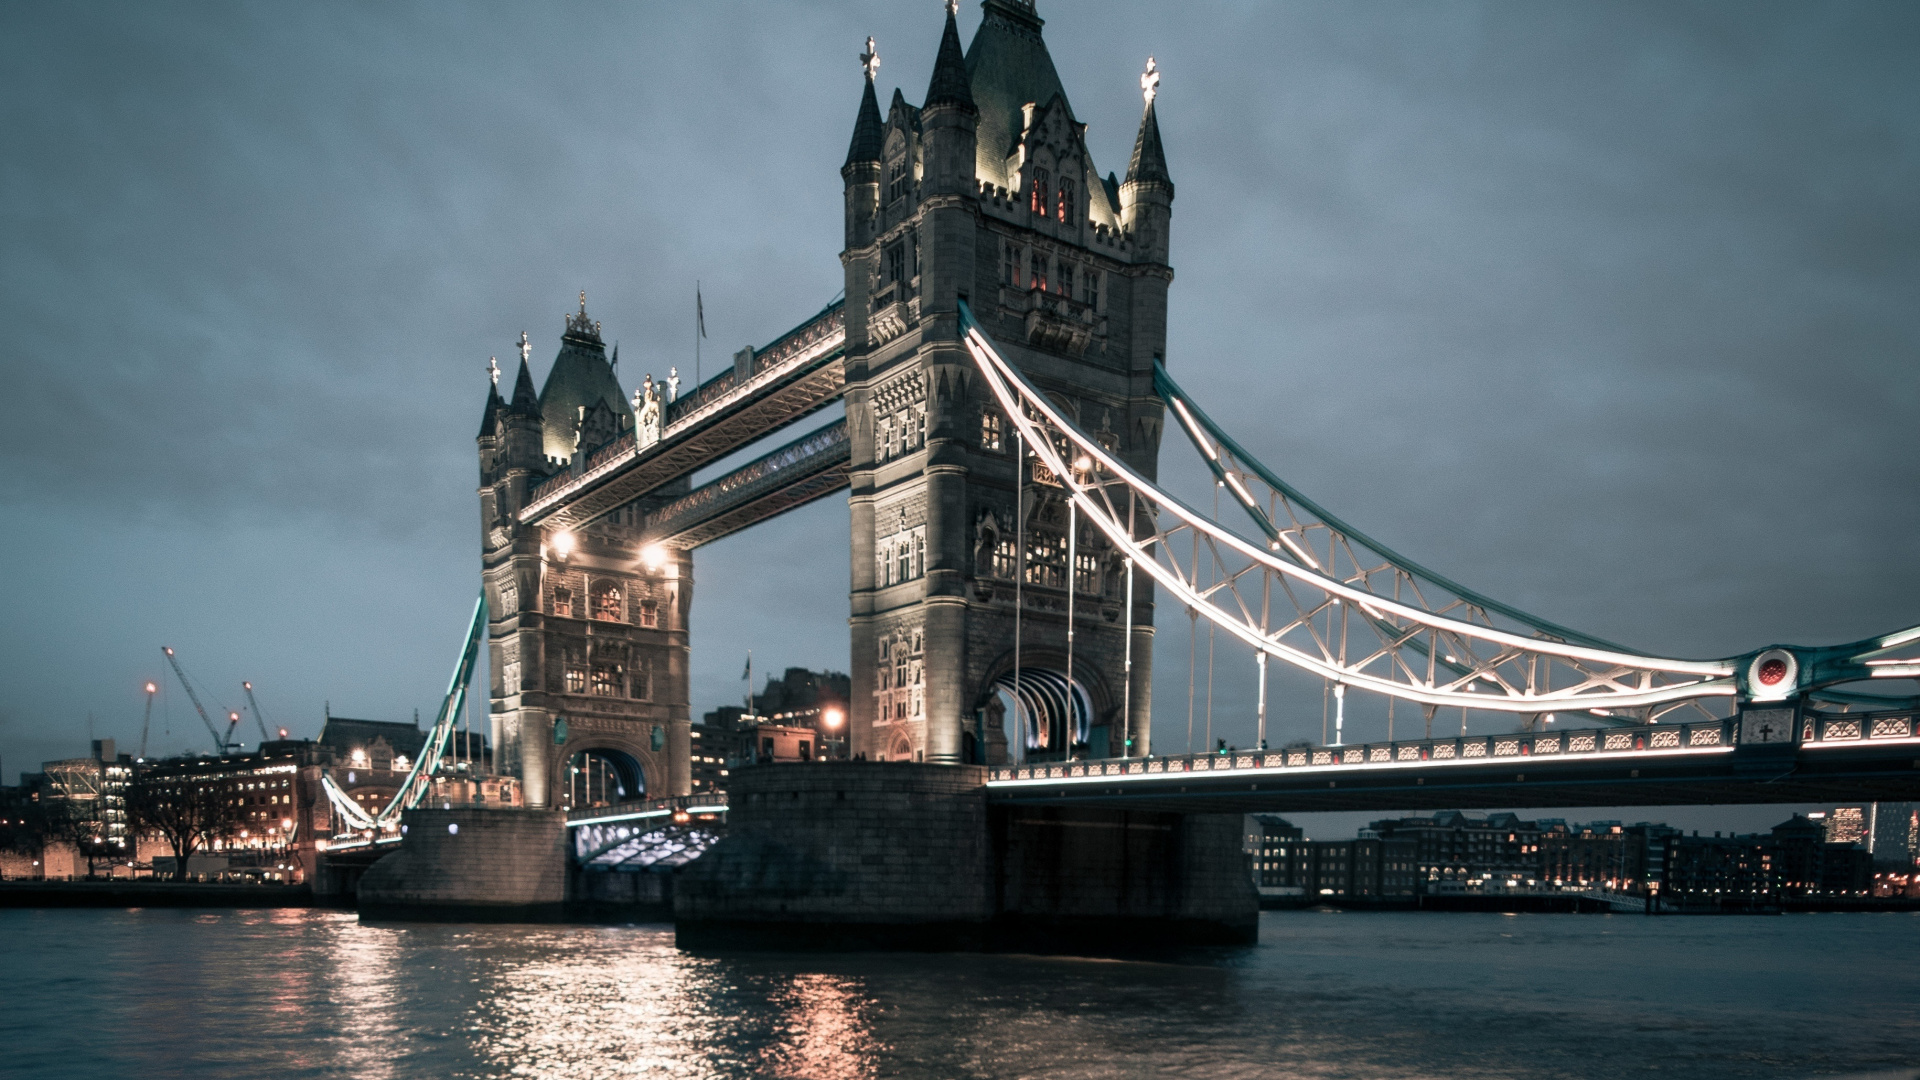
[
  {"x": 576, "y": 679},
  {"x": 990, "y": 433},
  {"x": 1066, "y": 204},
  {"x": 649, "y": 613},
  {"x": 606, "y": 601},
  {"x": 1039, "y": 200},
  {"x": 563, "y": 603},
  {"x": 1010, "y": 264},
  {"x": 1086, "y": 575},
  {"x": 899, "y": 180},
  {"x": 607, "y": 680},
  {"x": 1037, "y": 264}
]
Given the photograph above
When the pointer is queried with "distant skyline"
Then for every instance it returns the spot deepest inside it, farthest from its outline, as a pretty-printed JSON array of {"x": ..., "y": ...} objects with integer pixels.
[{"x": 1606, "y": 311}]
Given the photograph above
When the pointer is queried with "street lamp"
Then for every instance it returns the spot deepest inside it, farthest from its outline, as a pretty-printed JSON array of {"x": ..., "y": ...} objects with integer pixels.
[{"x": 831, "y": 719}]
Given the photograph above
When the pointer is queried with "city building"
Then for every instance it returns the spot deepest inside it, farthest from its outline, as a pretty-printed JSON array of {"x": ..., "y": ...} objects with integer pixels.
[
  {"x": 1456, "y": 848},
  {"x": 1280, "y": 855}
]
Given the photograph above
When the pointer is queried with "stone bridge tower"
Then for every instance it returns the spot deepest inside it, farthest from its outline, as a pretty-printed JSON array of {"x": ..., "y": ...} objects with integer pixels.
[
  {"x": 587, "y": 629},
  {"x": 986, "y": 192}
]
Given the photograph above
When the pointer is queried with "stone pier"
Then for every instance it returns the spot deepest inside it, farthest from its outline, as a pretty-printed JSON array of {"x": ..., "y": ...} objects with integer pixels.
[
  {"x": 906, "y": 855},
  {"x": 472, "y": 864}
]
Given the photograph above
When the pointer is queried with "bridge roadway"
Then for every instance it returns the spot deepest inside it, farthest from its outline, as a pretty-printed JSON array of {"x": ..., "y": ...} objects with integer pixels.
[
  {"x": 798, "y": 374},
  {"x": 1838, "y": 758}
]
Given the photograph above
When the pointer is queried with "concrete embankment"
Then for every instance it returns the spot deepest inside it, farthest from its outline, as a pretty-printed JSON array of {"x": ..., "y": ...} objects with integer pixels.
[{"x": 132, "y": 894}]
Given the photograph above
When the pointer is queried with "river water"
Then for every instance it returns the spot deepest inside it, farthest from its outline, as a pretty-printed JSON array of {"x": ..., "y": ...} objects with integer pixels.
[{"x": 294, "y": 994}]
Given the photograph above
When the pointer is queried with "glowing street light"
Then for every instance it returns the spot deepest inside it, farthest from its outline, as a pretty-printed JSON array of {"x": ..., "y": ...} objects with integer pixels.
[
  {"x": 653, "y": 556},
  {"x": 562, "y": 545}
]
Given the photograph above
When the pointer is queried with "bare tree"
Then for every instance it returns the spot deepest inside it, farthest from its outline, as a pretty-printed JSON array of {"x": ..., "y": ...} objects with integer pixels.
[{"x": 189, "y": 813}]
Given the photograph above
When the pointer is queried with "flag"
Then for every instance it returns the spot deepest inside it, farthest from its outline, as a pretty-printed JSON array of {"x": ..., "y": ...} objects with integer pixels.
[
  {"x": 699, "y": 310},
  {"x": 748, "y": 673}
]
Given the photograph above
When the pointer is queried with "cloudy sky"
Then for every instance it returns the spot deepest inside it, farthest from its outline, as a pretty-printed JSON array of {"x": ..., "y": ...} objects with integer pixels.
[{"x": 1607, "y": 310}]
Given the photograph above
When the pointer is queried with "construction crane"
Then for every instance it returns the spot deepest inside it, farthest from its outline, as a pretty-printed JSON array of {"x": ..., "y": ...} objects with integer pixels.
[
  {"x": 147, "y": 721},
  {"x": 221, "y": 742},
  {"x": 257, "y": 718}
]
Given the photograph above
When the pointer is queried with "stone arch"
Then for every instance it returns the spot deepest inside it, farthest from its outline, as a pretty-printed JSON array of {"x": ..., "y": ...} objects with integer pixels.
[
  {"x": 1052, "y": 717},
  {"x": 633, "y": 769}
]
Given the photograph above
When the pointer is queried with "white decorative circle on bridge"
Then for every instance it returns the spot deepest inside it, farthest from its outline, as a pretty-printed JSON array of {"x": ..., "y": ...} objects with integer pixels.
[
  {"x": 1773, "y": 675},
  {"x": 453, "y": 828}
]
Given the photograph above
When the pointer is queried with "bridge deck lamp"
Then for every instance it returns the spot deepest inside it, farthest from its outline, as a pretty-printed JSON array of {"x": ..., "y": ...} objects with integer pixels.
[
  {"x": 562, "y": 544},
  {"x": 653, "y": 557}
]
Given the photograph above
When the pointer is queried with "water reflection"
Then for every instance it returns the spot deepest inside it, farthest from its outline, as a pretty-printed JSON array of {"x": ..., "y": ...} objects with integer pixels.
[{"x": 305, "y": 994}]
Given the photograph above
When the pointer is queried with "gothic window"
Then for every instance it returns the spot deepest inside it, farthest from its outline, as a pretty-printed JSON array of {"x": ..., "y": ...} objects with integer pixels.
[
  {"x": 1093, "y": 289},
  {"x": 1005, "y": 558},
  {"x": 1039, "y": 204},
  {"x": 606, "y": 601},
  {"x": 1047, "y": 560},
  {"x": 899, "y": 180},
  {"x": 608, "y": 680},
  {"x": 903, "y": 559},
  {"x": 1086, "y": 572},
  {"x": 1065, "y": 284},
  {"x": 563, "y": 603},
  {"x": 897, "y": 269},
  {"x": 990, "y": 434},
  {"x": 1066, "y": 203},
  {"x": 650, "y": 613},
  {"x": 1037, "y": 267},
  {"x": 883, "y": 443},
  {"x": 1011, "y": 264},
  {"x": 642, "y": 679},
  {"x": 576, "y": 678},
  {"x": 509, "y": 598},
  {"x": 919, "y": 552}
]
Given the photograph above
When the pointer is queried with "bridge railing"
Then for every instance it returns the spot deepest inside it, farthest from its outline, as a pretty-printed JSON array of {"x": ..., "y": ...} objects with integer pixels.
[
  {"x": 1817, "y": 730},
  {"x": 697, "y": 805}
]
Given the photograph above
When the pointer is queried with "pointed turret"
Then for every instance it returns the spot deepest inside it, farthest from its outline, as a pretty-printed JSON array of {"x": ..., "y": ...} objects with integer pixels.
[
  {"x": 950, "y": 86},
  {"x": 948, "y": 119},
  {"x": 1149, "y": 162},
  {"x": 492, "y": 415},
  {"x": 865, "y": 146},
  {"x": 525, "y": 400},
  {"x": 1146, "y": 195},
  {"x": 862, "y": 170}
]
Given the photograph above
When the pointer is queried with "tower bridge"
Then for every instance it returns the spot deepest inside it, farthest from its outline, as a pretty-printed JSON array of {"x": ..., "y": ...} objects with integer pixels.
[{"x": 1001, "y": 357}]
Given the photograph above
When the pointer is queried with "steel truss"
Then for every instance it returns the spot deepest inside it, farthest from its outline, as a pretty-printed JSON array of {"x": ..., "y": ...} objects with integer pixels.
[{"x": 1321, "y": 596}]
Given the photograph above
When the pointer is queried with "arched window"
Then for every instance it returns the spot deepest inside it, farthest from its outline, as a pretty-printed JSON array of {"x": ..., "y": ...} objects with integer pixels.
[
  {"x": 563, "y": 603},
  {"x": 1068, "y": 205},
  {"x": 1040, "y": 200},
  {"x": 1037, "y": 263},
  {"x": 607, "y": 606}
]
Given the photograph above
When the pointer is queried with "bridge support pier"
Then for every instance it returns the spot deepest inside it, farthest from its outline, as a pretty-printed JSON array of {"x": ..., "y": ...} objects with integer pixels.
[
  {"x": 472, "y": 864},
  {"x": 904, "y": 855}
]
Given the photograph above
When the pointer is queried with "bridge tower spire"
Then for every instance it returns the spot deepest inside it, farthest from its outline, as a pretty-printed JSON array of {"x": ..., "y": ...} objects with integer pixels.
[{"x": 987, "y": 193}]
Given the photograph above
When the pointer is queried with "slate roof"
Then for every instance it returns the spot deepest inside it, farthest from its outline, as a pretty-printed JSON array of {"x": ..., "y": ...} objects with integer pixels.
[
  {"x": 1149, "y": 162},
  {"x": 1007, "y": 66},
  {"x": 581, "y": 375},
  {"x": 866, "y": 144},
  {"x": 345, "y": 735},
  {"x": 951, "y": 82}
]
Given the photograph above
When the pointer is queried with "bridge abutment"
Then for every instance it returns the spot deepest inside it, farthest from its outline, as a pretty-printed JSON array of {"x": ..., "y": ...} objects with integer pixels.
[
  {"x": 906, "y": 855},
  {"x": 472, "y": 864}
]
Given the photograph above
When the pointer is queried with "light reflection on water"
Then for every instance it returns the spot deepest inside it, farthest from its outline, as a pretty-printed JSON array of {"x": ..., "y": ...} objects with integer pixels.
[{"x": 305, "y": 994}]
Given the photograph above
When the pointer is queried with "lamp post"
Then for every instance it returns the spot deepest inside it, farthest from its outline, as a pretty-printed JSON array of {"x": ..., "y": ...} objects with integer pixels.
[{"x": 831, "y": 719}]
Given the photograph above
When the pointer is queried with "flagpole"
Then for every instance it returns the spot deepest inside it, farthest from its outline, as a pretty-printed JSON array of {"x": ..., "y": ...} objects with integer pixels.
[{"x": 699, "y": 330}]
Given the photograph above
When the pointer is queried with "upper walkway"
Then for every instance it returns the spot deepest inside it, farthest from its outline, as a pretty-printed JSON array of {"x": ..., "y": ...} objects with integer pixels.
[{"x": 799, "y": 373}]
